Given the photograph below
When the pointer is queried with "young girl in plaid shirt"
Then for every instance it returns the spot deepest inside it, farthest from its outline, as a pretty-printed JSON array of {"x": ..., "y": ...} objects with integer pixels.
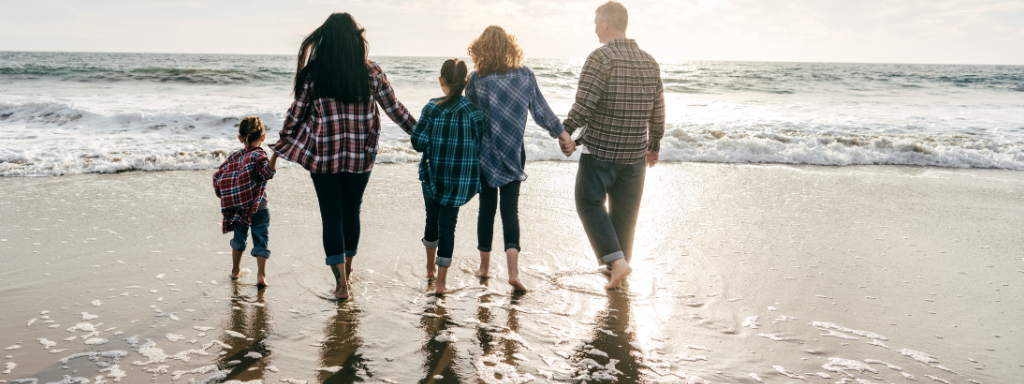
[
  {"x": 448, "y": 133},
  {"x": 240, "y": 184}
]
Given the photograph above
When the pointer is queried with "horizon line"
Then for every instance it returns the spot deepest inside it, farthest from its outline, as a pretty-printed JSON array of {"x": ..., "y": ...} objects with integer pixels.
[{"x": 527, "y": 58}]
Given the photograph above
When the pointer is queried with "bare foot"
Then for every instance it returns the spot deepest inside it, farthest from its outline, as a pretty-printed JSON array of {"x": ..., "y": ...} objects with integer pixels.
[
  {"x": 341, "y": 293},
  {"x": 604, "y": 270},
  {"x": 620, "y": 269},
  {"x": 261, "y": 281},
  {"x": 431, "y": 268},
  {"x": 485, "y": 264},
  {"x": 439, "y": 284},
  {"x": 516, "y": 284},
  {"x": 235, "y": 273}
]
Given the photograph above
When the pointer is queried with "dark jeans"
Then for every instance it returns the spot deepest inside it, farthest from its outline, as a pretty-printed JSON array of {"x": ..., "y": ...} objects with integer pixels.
[
  {"x": 509, "y": 215},
  {"x": 610, "y": 230},
  {"x": 340, "y": 196},
  {"x": 509, "y": 212},
  {"x": 260, "y": 222},
  {"x": 439, "y": 231}
]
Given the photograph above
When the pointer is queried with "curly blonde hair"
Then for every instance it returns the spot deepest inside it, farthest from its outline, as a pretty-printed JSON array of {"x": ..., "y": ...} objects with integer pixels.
[{"x": 495, "y": 51}]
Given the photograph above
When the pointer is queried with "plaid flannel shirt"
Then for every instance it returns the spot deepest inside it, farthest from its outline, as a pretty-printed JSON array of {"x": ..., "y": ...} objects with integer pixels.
[
  {"x": 620, "y": 103},
  {"x": 327, "y": 136},
  {"x": 240, "y": 183},
  {"x": 504, "y": 99},
  {"x": 449, "y": 137}
]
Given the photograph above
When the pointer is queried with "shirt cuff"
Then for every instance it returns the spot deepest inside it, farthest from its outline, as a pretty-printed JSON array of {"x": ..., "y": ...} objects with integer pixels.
[{"x": 654, "y": 146}]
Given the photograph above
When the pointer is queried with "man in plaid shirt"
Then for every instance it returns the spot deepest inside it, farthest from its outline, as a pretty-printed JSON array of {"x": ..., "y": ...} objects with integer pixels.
[{"x": 620, "y": 110}]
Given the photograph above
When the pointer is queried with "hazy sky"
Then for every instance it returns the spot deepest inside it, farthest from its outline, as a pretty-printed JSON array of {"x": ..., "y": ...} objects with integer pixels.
[{"x": 917, "y": 31}]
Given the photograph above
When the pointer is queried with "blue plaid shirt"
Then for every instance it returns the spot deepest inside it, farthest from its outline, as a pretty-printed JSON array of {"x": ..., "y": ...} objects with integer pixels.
[
  {"x": 504, "y": 99},
  {"x": 449, "y": 137}
]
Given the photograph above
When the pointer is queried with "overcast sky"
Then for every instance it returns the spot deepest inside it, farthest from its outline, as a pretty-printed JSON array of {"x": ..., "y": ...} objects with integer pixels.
[{"x": 892, "y": 31}]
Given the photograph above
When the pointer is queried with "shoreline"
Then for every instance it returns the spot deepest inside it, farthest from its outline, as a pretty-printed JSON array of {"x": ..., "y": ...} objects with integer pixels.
[{"x": 738, "y": 268}]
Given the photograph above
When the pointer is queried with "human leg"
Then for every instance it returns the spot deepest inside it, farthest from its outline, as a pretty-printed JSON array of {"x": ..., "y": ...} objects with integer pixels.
[
  {"x": 260, "y": 238},
  {"x": 593, "y": 180},
  {"x": 241, "y": 232},
  {"x": 510, "y": 228},
  {"x": 430, "y": 234},
  {"x": 447, "y": 220},
  {"x": 485, "y": 224},
  {"x": 352, "y": 194},
  {"x": 624, "y": 204},
  {"x": 328, "y": 188}
]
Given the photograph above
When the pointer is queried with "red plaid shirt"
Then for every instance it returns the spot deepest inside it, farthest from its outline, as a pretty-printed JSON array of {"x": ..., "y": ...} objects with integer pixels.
[
  {"x": 239, "y": 183},
  {"x": 326, "y": 136}
]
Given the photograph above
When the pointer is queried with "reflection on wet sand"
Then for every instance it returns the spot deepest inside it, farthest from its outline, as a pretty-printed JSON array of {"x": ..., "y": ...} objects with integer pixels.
[
  {"x": 340, "y": 359},
  {"x": 249, "y": 325},
  {"x": 439, "y": 345},
  {"x": 500, "y": 345},
  {"x": 609, "y": 352}
]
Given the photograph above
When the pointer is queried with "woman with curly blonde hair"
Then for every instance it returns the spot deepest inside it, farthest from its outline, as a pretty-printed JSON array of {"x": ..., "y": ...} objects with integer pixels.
[{"x": 505, "y": 91}]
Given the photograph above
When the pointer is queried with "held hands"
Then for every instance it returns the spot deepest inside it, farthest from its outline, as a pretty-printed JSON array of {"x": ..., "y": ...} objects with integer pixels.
[
  {"x": 652, "y": 159},
  {"x": 566, "y": 144}
]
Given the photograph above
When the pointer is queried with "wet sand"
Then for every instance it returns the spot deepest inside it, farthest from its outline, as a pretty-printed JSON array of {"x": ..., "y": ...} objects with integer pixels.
[{"x": 742, "y": 274}]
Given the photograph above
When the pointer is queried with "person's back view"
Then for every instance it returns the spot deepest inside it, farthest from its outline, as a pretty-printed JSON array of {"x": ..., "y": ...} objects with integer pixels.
[{"x": 620, "y": 107}]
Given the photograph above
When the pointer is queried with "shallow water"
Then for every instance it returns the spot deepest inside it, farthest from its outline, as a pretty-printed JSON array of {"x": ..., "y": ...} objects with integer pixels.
[
  {"x": 68, "y": 113},
  {"x": 742, "y": 274}
]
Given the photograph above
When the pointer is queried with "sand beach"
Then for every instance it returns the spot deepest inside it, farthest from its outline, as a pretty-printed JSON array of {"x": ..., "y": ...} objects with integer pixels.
[{"x": 742, "y": 274}]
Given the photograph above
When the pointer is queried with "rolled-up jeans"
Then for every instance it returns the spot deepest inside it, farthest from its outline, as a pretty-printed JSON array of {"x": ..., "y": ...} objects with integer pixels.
[
  {"x": 260, "y": 222},
  {"x": 610, "y": 230},
  {"x": 439, "y": 231},
  {"x": 340, "y": 195}
]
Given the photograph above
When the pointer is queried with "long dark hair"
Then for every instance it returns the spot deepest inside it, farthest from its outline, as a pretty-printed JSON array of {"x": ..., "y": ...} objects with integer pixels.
[
  {"x": 333, "y": 57},
  {"x": 456, "y": 75}
]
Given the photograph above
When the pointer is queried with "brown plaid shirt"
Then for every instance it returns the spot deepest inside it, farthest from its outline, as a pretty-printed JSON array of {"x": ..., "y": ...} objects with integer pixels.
[{"x": 620, "y": 104}]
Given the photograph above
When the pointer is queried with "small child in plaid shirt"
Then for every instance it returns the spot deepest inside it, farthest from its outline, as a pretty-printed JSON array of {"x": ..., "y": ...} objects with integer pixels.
[
  {"x": 448, "y": 133},
  {"x": 241, "y": 183}
]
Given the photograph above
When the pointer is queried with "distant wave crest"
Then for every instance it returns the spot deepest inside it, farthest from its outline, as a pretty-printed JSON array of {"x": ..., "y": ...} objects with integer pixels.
[{"x": 147, "y": 74}]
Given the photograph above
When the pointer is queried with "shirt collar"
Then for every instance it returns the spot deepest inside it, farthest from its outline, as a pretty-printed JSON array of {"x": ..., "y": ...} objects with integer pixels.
[{"x": 622, "y": 43}]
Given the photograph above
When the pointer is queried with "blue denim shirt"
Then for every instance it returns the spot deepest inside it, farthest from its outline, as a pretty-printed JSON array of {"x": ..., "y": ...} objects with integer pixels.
[{"x": 504, "y": 99}]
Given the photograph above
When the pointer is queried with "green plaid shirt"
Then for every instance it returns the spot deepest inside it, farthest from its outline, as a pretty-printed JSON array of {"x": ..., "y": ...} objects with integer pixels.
[{"x": 449, "y": 137}]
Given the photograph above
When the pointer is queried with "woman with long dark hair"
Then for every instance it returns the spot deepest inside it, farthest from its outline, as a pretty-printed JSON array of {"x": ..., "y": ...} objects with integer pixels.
[
  {"x": 505, "y": 90},
  {"x": 333, "y": 127}
]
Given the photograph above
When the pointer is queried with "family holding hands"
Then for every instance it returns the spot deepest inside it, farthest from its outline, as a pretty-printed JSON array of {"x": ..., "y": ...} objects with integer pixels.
[{"x": 471, "y": 140}]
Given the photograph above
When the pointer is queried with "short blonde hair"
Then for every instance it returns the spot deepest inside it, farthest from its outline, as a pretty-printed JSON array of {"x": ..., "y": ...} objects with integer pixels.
[
  {"x": 495, "y": 51},
  {"x": 616, "y": 13}
]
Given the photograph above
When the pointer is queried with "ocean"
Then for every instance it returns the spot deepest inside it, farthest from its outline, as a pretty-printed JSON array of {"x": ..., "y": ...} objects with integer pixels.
[{"x": 71, "y": 113}]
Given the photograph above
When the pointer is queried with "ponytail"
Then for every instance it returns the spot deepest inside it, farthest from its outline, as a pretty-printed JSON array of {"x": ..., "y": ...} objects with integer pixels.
[{"x": 456, "y": 75}]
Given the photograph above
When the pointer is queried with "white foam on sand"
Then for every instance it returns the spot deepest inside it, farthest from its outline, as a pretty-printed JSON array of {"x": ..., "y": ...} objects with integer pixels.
[
  {"x": 86, "y": 316},
  {"x": 492, "y": 369},
  {"x": 824, "y": 326}
]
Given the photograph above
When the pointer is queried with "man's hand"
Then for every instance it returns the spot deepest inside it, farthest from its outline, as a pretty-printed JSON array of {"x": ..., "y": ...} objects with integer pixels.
[
  {"x": 566, "y": 144},
  {"x": 652, "y": 159}
]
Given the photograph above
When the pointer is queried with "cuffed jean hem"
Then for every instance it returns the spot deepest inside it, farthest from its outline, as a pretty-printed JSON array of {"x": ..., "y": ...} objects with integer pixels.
[
  {"x": 264, "y": 253},
  {"x": 482, "y": 249},
  {"x": 336, "y": 259},
  {"x": 240, "y": 247},
  {"x": 351, "y": 253},
  {"x": 430, "y": 244},
  {"x": 512, "y": 245},
  {"x": 609, "y": 258},
  {"x": 443, "y": 261}
]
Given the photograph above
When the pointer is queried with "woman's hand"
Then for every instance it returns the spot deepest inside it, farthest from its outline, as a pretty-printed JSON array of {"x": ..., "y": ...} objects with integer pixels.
[{"x": 566, "y": 144}]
